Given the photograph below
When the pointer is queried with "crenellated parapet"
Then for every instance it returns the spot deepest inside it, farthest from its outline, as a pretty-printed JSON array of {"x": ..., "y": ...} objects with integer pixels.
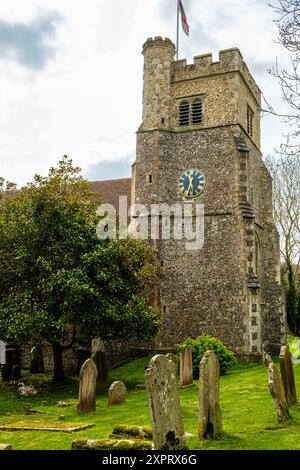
[
  {"x": 230, "y": 60},
  {"x": 158, "y": 41}
]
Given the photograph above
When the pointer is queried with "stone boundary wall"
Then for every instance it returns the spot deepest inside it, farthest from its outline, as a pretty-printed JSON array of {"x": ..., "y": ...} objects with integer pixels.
[{"x": 116, "y": 353}]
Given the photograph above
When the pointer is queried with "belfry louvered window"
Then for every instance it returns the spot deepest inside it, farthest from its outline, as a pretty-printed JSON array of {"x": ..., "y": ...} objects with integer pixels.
[
  {"x": 197, "y": 111},
  {"x": 190, "y": 112},
  {"x": 184, "y": 113}
]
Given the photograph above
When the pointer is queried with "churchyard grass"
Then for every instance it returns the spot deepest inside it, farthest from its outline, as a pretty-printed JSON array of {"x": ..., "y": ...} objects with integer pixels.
[{"x": 248, "y": 416}]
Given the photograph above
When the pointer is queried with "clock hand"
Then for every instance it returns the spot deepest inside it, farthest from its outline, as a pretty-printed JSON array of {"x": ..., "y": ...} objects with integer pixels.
[{"x": 191, "y": 183}]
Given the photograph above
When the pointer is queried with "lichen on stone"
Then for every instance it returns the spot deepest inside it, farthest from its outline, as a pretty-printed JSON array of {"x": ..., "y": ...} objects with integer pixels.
[
  {"x": 112, "y": 444},
  {"x": 138, "y": 432}
]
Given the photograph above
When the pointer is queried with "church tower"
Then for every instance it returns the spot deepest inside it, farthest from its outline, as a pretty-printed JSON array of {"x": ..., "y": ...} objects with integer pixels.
[{"x": 202, "y": 120}]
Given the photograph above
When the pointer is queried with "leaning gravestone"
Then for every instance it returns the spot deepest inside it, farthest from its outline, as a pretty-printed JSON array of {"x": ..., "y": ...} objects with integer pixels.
[
  {"x": 278, "y": 395},
  {"x": 16, "y": 372},
  {"x": 117, "y": 393},
  {"x": 37, "y": 360},
  {"x": 210, "y": 419},
  {"x": 87, "y": 387},
  {"x": 287, "y": 375},
  {"x": 163, "y": 396},
  {"x": 267, "y": 360},
  {"x": 186, "y": 366}
]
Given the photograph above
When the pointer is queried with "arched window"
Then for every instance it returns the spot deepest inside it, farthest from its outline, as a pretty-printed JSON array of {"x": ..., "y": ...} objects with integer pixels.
[
  {"x": 184, "y": 113},
  {"x": 197, "y": 111}
]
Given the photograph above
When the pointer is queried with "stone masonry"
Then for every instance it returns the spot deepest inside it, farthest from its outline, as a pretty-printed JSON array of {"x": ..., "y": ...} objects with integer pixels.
[{"x": 231, "y": 287}]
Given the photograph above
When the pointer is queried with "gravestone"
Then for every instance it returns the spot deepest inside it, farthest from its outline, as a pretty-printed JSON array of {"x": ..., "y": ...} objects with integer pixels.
[
  {"x": 267, "y": 360},
  {"x": 12, "y": 358},
  {"x": 2, "y": 353},
  {"x": 210, "y": 419},
  {"x": 87, "y": 387},
  {"x": 27, "y": 408},
  {"x": 278, "y": 395},
  {"x": 174, "y": 358},
  {"x": 16, "y": 372},
  {"x": 37, "y": 360},
  {"x": 117, "y": 393},
  {"x": 99, "y": 359},
  {"x": 163, "y": 396},
  {"x": 287, "y": 375},
  {"x": 186, "y": 366}
]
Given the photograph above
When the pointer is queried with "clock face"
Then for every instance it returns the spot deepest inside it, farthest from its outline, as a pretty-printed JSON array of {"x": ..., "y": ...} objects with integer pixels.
[{"x": 191, "y": 183}]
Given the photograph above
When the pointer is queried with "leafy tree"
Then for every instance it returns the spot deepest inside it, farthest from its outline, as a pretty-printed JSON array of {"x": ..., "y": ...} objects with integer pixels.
[{"x": 58, "y": 281}]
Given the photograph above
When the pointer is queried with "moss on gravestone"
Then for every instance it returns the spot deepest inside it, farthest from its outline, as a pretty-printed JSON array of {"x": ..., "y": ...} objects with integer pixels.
[
  {"x": 112, "y": 444},
  {"x": 137, "y": 432}
]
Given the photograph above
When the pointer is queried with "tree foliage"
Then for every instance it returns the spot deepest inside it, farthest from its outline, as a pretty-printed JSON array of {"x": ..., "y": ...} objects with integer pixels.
[{"x": 58, "y": 281}]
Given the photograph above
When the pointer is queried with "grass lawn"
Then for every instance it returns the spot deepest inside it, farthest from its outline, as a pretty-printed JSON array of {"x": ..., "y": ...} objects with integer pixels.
[{"x": 249, "y": 420}]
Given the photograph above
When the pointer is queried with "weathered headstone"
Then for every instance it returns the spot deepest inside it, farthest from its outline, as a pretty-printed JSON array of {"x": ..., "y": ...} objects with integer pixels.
[
  {"x": 163, "y": 396},
  {"x": 112, "y": 444},
  {"x": 287, "y": 375},
  {"x": 37, "y": 360},
  {"x": 27, "y": 408},
  {"x": 2, "y": 353},
  {"x": 267, "y": 360},
  {"x": 87, "y": 387},
  {"x": 117, "y": 393},
  {"x": 12, "y": 358},
  {"x": 16, "y": 372},
  {"x": 186, "y": 366},
  {"x": 210, "y": 418},
  {"x": 125, "y": 431},
  {"x": 278, "y": 395}
]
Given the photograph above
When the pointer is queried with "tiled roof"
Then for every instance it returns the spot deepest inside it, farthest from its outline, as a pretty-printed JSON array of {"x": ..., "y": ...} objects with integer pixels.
[{"x": 111, "y": 190}]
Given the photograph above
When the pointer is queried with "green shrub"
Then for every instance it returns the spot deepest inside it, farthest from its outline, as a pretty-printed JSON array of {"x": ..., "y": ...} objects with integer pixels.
[{"x": 204, "y": 343}]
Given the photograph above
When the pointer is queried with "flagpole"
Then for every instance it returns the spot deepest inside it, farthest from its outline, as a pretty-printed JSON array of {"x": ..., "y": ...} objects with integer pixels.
[{"x": 177, "y": 38}]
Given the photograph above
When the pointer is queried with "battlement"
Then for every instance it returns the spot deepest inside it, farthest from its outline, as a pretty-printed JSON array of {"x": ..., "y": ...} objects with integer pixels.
[
  {"x": 159, "y": 42},
  {"x": 230, "y": 60}
]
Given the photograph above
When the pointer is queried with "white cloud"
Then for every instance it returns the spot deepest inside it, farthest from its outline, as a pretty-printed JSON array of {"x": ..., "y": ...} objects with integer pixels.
[{"x": 87, "y": 101}]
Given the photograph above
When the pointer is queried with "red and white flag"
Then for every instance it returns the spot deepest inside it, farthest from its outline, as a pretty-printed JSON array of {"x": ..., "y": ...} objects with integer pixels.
[{"x": 184, "y": 22}]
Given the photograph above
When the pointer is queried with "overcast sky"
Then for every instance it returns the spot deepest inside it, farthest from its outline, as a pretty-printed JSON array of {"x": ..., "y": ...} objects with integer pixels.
[{"x": 71, "y": 75}]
